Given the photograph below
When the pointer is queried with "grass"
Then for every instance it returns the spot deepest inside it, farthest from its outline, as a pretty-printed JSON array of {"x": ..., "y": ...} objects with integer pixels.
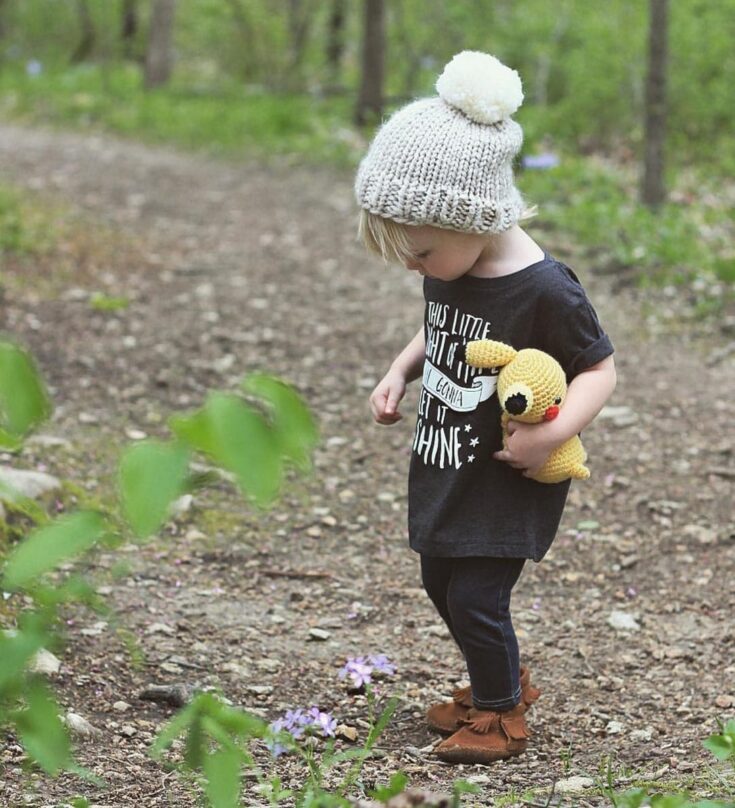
[
  {"x": 231, "y": 120},
  {"x": 584, "y": 200}
]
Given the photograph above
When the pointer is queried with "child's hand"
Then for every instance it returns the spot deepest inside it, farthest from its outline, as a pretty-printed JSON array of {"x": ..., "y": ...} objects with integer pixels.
[
  {"x": 528, "y": 446},
  {"x": 386, "y": 396}
]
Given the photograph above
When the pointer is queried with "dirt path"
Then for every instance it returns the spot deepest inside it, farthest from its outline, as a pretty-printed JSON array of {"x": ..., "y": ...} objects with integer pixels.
[{"x": 250, "y": 268}]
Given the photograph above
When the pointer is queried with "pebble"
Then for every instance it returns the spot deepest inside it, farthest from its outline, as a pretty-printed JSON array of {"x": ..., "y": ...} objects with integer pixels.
[
  {"x": 614, "y": 728},
  {"x": 128, "y": 730},
  {"x": 622, "y": 621},
  {"x": 160, "y": 628},
  {"x": 182, "y": 505},
  {"x": 318, "y": 634},
  {"x": 135, "y": 434},
  {"x": 642, "y": 734},
  {"x": 573, "y": 785},
  {"x": 45, "y": 662},
  {"x": 80, "y": 726},
  {"x": 31, "y": 484},
  {"x": 620, "y": 416},
  {"x": 346, "y": 732}
]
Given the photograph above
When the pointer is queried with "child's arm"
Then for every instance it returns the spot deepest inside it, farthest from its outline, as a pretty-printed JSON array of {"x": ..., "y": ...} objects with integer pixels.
[
  {"x": 406, "y": 367},
  {"x": 529, "y": 445}
]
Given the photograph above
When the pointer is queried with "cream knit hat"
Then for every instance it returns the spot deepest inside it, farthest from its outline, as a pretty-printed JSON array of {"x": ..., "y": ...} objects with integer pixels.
[{"x": 447, "y": 160}]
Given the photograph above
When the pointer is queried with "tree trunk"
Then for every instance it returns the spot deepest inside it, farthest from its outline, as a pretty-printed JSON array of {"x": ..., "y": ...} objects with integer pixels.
[
  {"x": 86, "y": 43},
  {"x": 652, "y": 191},
  {"x": 299, "y": 17},
  {"x": 159, "y": 54},
  {"x": 335, "y": 41},
  {"x": 370, "y": 98},
  {"x": 129, "y": 27}
]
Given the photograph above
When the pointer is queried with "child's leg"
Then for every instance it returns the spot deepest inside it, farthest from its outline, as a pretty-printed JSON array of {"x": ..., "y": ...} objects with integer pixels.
[
  {"x": 478, "y": 601},
  {"x": 436, "y": 574}
]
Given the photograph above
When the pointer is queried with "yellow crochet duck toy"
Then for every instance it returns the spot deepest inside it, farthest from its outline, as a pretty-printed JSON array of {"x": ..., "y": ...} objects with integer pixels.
[{"x": 531, "y": 387}]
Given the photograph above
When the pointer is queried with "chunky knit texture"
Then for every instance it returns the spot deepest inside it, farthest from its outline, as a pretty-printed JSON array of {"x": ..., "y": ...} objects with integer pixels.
[
  {"x": 531, "y": 388},
  {"x": 437, "y": 162}
]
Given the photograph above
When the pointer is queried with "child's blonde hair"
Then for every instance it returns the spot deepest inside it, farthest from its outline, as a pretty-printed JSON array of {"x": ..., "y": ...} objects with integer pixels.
[{"x": 389, "y": 239}]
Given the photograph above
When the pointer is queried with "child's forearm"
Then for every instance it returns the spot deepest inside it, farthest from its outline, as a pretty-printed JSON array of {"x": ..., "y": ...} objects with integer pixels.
[
  {"x": 410, "y": 361},
  {"x": 586, "y": 396}
]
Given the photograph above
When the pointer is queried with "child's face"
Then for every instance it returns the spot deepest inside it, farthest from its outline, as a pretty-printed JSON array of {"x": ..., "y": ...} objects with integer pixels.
[{"x": 443, "y": 254}]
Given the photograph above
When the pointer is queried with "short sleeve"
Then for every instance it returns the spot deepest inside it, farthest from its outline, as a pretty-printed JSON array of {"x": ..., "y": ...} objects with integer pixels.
[{"x": 569, "y": 328}]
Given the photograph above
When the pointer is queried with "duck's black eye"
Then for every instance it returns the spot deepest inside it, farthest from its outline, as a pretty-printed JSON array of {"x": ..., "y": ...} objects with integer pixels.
[
  {"x": 557, "y": 401},
  {"x": 516, "y": 404}
]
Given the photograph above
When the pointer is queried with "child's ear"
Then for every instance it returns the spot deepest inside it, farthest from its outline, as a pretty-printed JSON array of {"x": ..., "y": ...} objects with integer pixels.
[{"x": 487, "y": 353}]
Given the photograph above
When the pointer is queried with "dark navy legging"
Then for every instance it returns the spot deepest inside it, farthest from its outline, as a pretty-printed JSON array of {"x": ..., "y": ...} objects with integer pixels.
[{"x": 473, "y": 597}]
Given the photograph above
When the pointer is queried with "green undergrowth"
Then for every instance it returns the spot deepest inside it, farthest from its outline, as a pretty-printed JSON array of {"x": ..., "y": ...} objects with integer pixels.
[
  {"x": 586, "y": 201},
  {"x": 593, "y": 204},
  {"x": 230, "y": 119}
]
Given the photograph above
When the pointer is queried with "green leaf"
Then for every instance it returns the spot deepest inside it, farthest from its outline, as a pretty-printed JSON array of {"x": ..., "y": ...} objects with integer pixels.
[
  {"x": 24, "y": 402},
  {"x": 721, "y": 746},
  {"x": 47, "y": 546},
  {"x": 296, "y": 430},
  {"x": 222, "y": 770},
  {"x": 152, "y": 475},
  {"x": 377, "y": 730},
  {"x": 238, "y": 438},
  {"x": 178, "y": 724},
  {"x": 16, "y": 651},
  {"x": 41, "y": 731},
  {"x": 396, "y": 786}
]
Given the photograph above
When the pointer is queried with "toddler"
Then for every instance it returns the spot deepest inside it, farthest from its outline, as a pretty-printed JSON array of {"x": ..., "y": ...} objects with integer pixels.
[{"x": 436, "y": 194}]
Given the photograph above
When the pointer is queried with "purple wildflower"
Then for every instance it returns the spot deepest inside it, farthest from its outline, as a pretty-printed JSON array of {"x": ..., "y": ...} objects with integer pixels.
[
  {"x": 382, "y": 664},
  {"x": 358, "y": 669},
  {"x": 322, "y": 721},
  {"x": 540, "y": 161}
]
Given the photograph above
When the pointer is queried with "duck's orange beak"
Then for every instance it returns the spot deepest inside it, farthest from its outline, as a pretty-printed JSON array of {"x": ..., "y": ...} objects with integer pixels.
[{"x": 551, "y": 413}]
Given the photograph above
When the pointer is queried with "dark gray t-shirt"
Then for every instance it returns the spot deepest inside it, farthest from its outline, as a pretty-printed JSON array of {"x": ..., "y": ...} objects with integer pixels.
[{"x": 463, "y": 502}]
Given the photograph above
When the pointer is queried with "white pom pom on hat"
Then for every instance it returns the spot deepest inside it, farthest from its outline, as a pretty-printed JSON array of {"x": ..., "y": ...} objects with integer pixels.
[{"x": 480, "y": 86}]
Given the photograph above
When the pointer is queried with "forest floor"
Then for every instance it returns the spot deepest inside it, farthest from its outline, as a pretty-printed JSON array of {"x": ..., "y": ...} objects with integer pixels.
[{"x": 231, "y": 268}]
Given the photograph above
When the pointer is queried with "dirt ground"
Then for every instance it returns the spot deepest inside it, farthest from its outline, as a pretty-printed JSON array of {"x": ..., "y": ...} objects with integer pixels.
[{"x": 231, "y": 268}]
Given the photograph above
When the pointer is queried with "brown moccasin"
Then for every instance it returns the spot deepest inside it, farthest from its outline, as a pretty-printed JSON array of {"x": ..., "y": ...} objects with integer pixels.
[
  {"x": 445, "y": 717},
  {"x": 485, "y": 736}
]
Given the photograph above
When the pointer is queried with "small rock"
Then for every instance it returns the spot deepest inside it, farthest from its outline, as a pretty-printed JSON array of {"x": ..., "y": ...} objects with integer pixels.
[
  {"x": 135, "y": 434},
  {"x": 314, "y": 532},
  {"x": 31, "y": 484},
  {"x": 87, "y": 418},
  {"x": 318, "y": 634},
  {"x": 128, "y": 730},
  {"x": 95, "y": 629},
  {"x": 176, "y": 695},
  {"x": 346, "y": 732},
  {"x": 236, "y": 668},
  {"x": 45, "y": 662},
  {"x": 121, "y": 706},
  {"x": 614, "y": 728},
  {"x": 194, "y": 535},
  {"x": 268, "y": 664},
  {"x": 573, "y": 785},
  {"x": 80, "y": 726},
  {"x": 160, "y": 628},
  {"x": 704, "y": 535},
  {"x": 260, "y": 690},
  {"x": 642, "y": 734},
  {"x": 48, "y": 441},
  {"x": 620, "y": 416},
  {"x": 181, "y": 506},
  {"x": 725, "y": 701},
  {"x": 622, "y": 621}
]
